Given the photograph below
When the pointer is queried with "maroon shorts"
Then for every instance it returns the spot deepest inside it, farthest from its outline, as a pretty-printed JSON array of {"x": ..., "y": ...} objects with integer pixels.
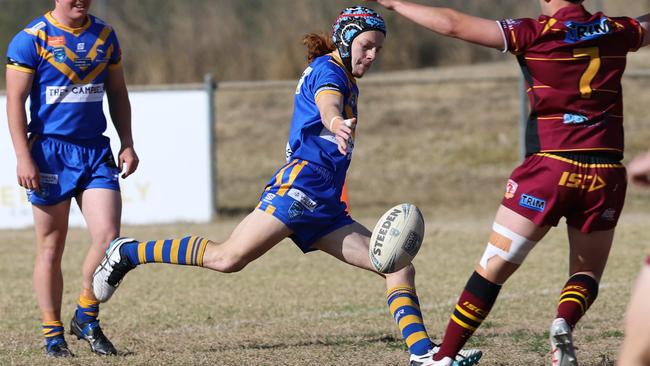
[{"x": 547, "y": 187}]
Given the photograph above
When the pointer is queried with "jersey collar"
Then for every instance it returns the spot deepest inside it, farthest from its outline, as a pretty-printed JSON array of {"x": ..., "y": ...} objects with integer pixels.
[
  {"x": 337, "y": 58},
  {"x": 74, "y": 31}
]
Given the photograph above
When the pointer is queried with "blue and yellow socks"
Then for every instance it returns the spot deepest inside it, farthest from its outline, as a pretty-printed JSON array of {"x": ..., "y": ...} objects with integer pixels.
[
  {"x": 52, "y": 331},
  {"x": 186, "y": 251},
  {"x": 87, "y": 310},
  {"x": 405, "y": 309}
]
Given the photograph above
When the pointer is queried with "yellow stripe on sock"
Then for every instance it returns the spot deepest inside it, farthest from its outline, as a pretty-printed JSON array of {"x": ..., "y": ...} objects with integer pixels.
[
  {"x": 413, "y": 338},
  {"x": 142, "y": 252},
  {"x": 173, "y": 255},
  {"x": 582, "y": 307},
  {"x": 93, "y": 313},
  {"x": 407, "y": 289},
  {"x": 574, "y": 293},
  {"x": 85, "y": 302},
  {"x": 50, "y": 335},
  {"x": 157, "y": 251},
  {"x": 53, "y": 323},
  {"x": 402, "y": 301},
  {"x": 188, "y": 251},
  {"x": 204, "y": 245},
  {"x": 408, "y": 320},
  {"x": 472, "y": 317},
  {"x": 462, "y": 323}
]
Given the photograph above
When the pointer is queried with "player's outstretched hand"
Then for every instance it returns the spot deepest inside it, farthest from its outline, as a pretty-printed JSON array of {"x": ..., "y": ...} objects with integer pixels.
[
  {"x": 388, "y": 4},
  {"x": 344, "y": 132},
  {"x": 639, "y": 170},
  {"x": 127, "y": 160}
]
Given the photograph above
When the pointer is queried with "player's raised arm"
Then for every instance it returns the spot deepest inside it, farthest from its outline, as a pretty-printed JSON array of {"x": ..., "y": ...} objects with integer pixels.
[
  {"x": 330, "y": 106},
  {"x": 449, "y": 22},
  {"x": 644, "y": 20}
]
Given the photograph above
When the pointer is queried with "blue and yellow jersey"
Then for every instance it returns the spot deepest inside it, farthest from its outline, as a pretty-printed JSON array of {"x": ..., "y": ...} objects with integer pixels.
[
  {"x": 70, "y": 66},
  {"x": 308, "y": 138}
]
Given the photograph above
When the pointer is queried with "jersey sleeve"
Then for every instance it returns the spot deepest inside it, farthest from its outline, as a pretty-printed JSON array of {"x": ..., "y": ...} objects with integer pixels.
[
  {"x": 519, "y": 34},
  {"x": 632, "y": 30},
  {"x": 22, "y": 54},
  {"x": 115, "y": 58},
  {"x": 330, "y": 80}
]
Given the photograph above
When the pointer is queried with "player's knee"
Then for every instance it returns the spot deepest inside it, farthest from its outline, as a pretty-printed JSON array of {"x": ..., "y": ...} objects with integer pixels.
[
  {"x": 232, "y": 262},
  {"x": 49, "y": 255},
  {"x": 511, "y": 247}
]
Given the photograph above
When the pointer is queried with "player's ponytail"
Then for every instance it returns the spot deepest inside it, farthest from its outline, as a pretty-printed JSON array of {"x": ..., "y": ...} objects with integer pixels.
[{"x": 318, "y": 44}]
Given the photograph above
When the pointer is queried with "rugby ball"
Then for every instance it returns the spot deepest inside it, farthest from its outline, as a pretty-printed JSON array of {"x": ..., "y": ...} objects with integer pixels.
[{"x": 396, "y": 238}]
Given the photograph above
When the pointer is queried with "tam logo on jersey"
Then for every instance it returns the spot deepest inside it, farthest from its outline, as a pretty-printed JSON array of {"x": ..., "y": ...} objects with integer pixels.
[
  {"x": 74, "y": 93},
  {"x": 585, "y": 31}
]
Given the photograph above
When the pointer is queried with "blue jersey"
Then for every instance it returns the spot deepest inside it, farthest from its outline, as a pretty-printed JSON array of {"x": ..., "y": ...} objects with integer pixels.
[
  {"x": 70, "y": 66},
  {"x": 308, "y": 138}
]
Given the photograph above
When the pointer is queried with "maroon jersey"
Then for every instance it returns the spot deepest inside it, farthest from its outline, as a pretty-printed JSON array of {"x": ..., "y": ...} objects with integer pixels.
[{"x": 573, "y": 63}]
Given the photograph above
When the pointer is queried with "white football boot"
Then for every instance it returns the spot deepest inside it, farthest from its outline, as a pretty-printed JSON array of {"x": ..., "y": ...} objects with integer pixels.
[
  {"x": 465, "y": 357},
  {"x": 562, "y": 351},
  {"x": 111, "y": 270}
]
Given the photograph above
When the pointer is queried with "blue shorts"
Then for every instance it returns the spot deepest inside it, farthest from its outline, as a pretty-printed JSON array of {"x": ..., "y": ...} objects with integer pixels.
[
  {"x": 305, "y": 197},
  {"x": 68, "y": 167}
]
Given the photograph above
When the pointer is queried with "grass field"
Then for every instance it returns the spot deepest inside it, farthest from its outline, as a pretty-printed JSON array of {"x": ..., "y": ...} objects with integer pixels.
[{"x": 447, "y": 146}]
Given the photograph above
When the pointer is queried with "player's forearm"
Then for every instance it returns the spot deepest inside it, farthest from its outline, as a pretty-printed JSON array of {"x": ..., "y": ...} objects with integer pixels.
[
  {"x": 120, "y": 109},
  {"x": 17, "y": 125},
  {"x": 439, "y": 20},
  {"x": 453, "y": 23}
]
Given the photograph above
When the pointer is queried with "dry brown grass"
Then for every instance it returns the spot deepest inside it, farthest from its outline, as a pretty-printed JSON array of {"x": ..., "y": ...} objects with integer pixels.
[
  {"x": 446, "y": 146},
  {"x": 293, "y": 309}
]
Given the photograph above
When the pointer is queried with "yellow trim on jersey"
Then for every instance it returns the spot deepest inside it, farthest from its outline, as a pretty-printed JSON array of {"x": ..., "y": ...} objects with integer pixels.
[
  {"x": 551, "y": 22},
  {"x": 75, "y": 31},
  {"x": 402, "y": 301},
  {"x": 338, "y": 62},
  {"x": 415, "y": 337},
  {"x": 549, "y": 118},
  {"x": 468, "y": 315},
  {"x": 292, "y": 177},
  {"x": 103, "y": 36},
  {"x": 537, "y": 87},
  {"x": 93, "y": 74},
  {"x": 407, "y": 320},
  {"x": 21, "y": 69},
  {"x": 327, "y": 91},
  {"x": 62, "y": 67},
  {"x": 270, "y": 209},
  {"x": 576, "y": 163},
  {"x": 462, "y": 323}
]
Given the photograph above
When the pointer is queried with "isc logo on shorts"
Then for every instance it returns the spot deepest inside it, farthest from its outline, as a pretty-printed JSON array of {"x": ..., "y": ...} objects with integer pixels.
[{"x": 532, "y": 202}]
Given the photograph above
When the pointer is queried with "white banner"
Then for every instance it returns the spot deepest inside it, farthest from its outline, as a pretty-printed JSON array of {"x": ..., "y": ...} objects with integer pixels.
[{"x": 172, "y": 138}]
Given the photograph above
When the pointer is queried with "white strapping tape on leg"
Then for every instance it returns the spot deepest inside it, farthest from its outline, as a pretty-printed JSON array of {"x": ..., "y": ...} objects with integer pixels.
[{"x": 506, "y": 244}]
